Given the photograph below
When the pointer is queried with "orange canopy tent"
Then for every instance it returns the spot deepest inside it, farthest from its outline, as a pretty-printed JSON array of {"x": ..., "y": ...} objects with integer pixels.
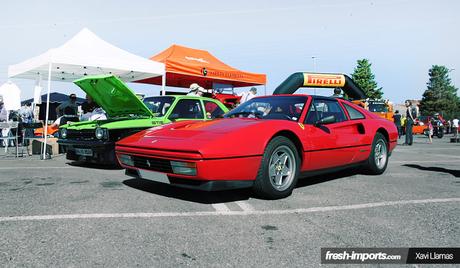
[{"x": 185, "y": 66}]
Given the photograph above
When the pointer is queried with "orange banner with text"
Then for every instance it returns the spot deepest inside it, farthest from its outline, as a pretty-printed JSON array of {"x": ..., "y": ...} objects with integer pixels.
[{"x": 323, "y": 80}]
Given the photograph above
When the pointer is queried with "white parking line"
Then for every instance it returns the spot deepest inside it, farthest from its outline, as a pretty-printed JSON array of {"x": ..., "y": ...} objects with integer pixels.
[
  {"x": 226, "y": 213},
  {"x": 18, "y": 168},
  {"x": 424, "y": 161},
  {"x": 446, "y": 156},
  {"x": 245, "y": 206},
  {"x": 220, "y": 207}
]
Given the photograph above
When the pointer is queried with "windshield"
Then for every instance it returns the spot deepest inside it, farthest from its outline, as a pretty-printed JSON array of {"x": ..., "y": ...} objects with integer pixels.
[
  {"x": 378, "y": 107},
  {"x": 159, "y": 105},
  {"x": 275, "y": 107}
]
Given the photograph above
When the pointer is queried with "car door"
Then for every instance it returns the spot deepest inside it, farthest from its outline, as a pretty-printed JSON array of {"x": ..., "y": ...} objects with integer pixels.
[
  {"x": 328, "y": 135},
  {"x": 362, "y": 141}
]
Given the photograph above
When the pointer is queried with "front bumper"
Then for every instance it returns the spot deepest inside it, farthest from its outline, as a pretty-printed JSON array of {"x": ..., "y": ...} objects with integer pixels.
[
  {"x": 211, "y": 174},
  {"x": 101, "y": 151}
]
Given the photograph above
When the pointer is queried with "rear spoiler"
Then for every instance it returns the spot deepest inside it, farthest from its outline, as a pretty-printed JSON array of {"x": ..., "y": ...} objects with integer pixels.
[{"x": 301, "y": 79}]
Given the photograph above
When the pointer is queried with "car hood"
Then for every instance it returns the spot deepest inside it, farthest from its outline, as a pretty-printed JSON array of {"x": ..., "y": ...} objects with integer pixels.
[
  {"x": 113, "y": 96},
  {"x": 220, "y": 138}
]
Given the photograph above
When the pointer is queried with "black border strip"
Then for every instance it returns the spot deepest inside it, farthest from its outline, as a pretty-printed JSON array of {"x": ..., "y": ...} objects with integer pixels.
[{"x": 338, "y": 148}]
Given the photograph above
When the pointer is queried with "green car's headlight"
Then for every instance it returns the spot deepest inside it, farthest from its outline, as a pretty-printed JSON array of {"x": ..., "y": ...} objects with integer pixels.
[
  {"x": 101, "y": 133},
  {"x": 64, "y": 133}
]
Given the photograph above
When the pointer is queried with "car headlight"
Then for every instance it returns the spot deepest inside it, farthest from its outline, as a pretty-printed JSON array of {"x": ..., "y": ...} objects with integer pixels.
[
  {"x": 101, "y": 133},
  {"x": 126, "y": 159},
  {"x": 183, "y": 168},
  {"x": 64, "y": 133}
]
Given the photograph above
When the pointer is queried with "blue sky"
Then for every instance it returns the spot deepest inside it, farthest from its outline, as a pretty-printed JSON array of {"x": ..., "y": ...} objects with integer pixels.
[{"x": 402, "y": 39}]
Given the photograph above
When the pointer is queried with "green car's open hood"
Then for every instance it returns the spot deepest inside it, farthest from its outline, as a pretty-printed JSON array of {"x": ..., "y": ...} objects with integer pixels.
[{"x": 113, "y": 96}]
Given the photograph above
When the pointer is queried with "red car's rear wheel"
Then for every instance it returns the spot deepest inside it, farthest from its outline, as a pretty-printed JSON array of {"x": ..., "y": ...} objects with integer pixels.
[
  {"x": 378, "y": 159},
  {"x": 279, "y": 170}
]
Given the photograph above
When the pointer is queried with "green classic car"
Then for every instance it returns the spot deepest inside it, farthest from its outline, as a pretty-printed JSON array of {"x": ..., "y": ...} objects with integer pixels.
[{"x": 94, "y": 141}]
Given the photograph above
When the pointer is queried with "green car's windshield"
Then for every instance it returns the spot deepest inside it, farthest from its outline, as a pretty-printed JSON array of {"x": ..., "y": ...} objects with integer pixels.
[
  {"x": 159, "y": 105},
  {"x": 275, "y": 107}
]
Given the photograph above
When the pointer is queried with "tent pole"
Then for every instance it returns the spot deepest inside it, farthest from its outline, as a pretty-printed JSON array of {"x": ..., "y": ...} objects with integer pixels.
[
  {"x": 47, "y": 111},
  {"x": 39, "y": 84},
  {"x": 163, "y": 84}
]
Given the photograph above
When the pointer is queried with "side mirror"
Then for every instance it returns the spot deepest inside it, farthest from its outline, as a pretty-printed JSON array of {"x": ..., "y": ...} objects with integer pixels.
[
  {"x": 173, "y": 117},
  {"x": 326, "y": 120}
]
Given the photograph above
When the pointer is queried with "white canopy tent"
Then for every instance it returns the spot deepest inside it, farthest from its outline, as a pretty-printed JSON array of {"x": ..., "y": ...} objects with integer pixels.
[{"x": 85, "y": 54}]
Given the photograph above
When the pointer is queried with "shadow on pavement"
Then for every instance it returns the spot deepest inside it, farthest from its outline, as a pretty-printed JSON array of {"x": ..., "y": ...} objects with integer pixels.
[
  {"x": 93, "y": 166},
  {"x": 188, "y": 194},
  {"x": 453, "y": 172},
  {"x": 312, "y": 180},
  {"x": 222, "y": 196}
]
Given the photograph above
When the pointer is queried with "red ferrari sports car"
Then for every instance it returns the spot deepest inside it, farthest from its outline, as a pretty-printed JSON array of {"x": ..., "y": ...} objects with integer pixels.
[{"x": 266, "y": 143}]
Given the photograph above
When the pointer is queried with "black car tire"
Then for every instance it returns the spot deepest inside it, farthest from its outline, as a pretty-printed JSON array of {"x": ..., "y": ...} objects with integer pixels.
[
  {"x": 440, "y": 133},
  {"x": 284, "y": 151},
  {"x": 379, "y": 149}
]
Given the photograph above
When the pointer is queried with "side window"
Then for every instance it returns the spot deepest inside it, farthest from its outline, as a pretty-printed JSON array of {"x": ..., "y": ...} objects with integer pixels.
[
  {"x": 188, "y": 109},
  {"x": 212, "y": 110},
  {"x": 322, "y": 108},
  {"x": 354, "y": 114}
]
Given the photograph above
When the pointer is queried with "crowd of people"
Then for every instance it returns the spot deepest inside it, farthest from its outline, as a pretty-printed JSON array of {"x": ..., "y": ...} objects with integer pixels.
[
  {"x": 433, "y": 125},
  {"x": 66, "y": 112}
]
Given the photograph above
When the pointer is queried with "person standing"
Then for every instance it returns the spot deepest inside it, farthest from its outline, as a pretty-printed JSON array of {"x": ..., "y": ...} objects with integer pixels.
[
  {"x": 26, "y": 113},
  {"x": 3, "y": 118},
  {"x": 397, "y": 121},
  {"x": 411, "y": 114},
  {"x": 337, "y": 92},
  {"x": 430, "y": 131},
  {"x": 245, "y": 96},
  {"x": 455, "y": 128}
]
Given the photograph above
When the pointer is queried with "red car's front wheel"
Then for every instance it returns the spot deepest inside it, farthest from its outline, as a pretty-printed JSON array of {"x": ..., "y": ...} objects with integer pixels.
[{"x": 279, "y": 170}]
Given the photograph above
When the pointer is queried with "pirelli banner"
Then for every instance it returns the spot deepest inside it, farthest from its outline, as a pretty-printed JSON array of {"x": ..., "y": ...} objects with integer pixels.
[
  {"x": 323, "y": 80},
  {"x": 320, "y": 80}
]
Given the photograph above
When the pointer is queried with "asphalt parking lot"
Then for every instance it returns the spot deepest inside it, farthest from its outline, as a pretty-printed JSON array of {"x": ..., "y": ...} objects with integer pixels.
[{"x": 55, "y": 213}]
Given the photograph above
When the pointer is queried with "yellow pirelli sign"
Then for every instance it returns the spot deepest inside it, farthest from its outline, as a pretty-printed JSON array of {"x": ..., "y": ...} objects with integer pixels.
[{"x": 323, "y": 80}]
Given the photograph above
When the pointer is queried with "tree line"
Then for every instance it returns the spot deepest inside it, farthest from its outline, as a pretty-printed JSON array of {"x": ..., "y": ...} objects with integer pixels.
[{"x": 440, "y": 96}]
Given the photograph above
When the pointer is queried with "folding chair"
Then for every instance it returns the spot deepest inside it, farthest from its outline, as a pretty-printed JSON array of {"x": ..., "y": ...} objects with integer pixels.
[
  {"x": 28, "y": 135},
  {"x": 10, "y": 134}
]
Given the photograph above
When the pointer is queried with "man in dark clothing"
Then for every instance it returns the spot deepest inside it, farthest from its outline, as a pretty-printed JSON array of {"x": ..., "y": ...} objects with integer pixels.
[
  {"x": 89, "y": 105},
  {"x": 411, "y": 114},
  {"x": 397, "y": 121},
  {"x": 72, "y": 103}
]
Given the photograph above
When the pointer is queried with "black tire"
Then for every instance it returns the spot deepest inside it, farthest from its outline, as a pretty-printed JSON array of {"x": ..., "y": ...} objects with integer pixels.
[
  {"x": 70, "y": 155},
  {"x": 373, "y": 166},
  {"x": 440, "y": 133},
  {"x": 279, "y": 148}
]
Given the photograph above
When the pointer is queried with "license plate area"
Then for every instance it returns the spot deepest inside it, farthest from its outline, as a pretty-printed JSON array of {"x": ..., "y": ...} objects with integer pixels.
[
  {"x": 83, "y": 152},
  {"x": 153, "y": 176}
]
